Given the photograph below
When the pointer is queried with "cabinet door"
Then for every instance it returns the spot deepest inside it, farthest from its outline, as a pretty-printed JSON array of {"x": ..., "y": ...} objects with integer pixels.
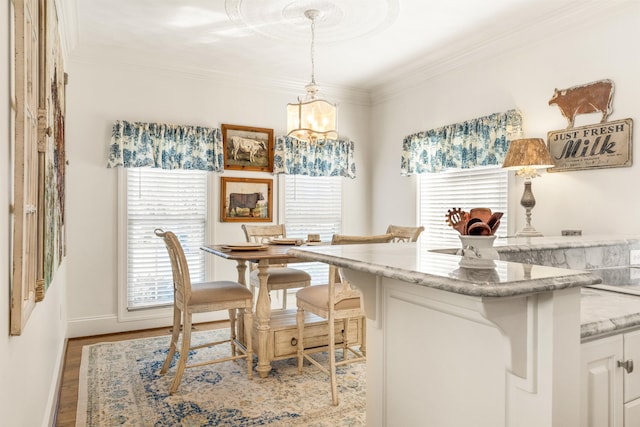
[
  {"x": 601, "y": 400},
  {"x": 632, "y": 380},
  {"x": 632, "y": 414}
]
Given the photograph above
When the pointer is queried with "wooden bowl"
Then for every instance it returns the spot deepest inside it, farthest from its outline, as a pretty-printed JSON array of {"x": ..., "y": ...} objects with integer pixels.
[
  {"x": 479, "y": 229},
  {"x": 484, "y": 214}
]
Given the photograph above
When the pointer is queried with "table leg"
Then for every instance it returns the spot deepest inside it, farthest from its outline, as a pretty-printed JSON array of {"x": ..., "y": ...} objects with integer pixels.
[
  {"x": 242, "y": 268},
  {"x": 263, "y": 316}
]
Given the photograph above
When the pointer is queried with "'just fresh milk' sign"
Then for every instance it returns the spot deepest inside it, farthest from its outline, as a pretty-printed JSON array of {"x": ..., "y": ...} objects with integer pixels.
[{"x": 605, "y": 145}]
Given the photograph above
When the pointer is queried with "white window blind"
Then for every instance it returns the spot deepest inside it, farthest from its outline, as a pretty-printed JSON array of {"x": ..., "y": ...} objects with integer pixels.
[
  {"x": 174, "y": 200},
  {"x": 313, "y": 205},
  {"x": 459, "y": 188}
]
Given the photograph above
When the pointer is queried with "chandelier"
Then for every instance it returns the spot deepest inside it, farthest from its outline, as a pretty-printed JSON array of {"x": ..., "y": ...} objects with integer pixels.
[{"x": 312, "y": 117}]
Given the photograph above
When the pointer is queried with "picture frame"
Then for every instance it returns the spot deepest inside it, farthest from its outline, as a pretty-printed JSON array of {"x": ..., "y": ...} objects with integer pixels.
[
  {"x": 246, "y": 200},
  {"x": 247, "y": 148}
]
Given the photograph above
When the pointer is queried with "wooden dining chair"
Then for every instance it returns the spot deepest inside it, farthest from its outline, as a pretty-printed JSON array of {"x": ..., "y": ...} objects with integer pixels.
[
  {"x": 404, "y": 234},
  {"x": 281, "y": 277},
  {"x": 189, "y": 298},
  {"x": 336, "y": 301}
]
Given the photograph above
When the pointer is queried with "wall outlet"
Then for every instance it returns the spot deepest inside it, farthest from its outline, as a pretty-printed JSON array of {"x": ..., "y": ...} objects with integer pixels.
[{"x": 634, "y": 257}]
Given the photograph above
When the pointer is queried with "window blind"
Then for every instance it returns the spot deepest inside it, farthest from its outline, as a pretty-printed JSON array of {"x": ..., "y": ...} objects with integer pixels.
[
  {"x": 459, "y": 188},
  {"x": 174, "y": 200},
  {"x": 313, "y": 204}
]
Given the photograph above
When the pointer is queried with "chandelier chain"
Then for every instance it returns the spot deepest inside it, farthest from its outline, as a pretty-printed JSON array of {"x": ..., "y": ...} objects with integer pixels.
[{"x": 313, "y": 49}]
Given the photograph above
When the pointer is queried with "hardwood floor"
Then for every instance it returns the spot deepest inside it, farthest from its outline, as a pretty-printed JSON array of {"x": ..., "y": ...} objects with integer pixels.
[{"x": 66, "y": 414}]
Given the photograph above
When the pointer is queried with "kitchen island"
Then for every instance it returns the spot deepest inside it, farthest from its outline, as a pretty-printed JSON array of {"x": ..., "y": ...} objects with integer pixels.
[{"x": 451, "y": 346}]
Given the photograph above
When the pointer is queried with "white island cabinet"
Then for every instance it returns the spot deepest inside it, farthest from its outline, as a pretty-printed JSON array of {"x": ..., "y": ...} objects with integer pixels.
[
  {"x": 449, "y": 346},
  {"x": 610, "y": 390}
]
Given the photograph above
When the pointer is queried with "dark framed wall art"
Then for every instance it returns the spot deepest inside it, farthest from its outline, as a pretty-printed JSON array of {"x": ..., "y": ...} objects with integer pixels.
[
  {"x": 246, "y": 200},
  {"x": 247, "y": 148}
]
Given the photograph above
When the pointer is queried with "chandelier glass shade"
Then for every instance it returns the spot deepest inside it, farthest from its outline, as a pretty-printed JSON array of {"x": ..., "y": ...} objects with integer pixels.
[{"x": 312, "y": 118}]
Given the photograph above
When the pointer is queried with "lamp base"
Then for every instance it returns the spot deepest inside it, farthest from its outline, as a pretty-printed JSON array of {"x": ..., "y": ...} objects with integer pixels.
[
  {"x": 528, "y": 232},
  {"x": 528, "y": 202}
]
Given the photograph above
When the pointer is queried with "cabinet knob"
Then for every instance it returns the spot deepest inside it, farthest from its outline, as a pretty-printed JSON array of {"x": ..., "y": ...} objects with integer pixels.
[
  {"x": 627, "y": 365},
  {"x": 294, "y": 343}
]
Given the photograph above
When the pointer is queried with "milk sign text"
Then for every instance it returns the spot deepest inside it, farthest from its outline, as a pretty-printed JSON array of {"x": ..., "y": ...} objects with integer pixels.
[{"x": 605, "y": 145}]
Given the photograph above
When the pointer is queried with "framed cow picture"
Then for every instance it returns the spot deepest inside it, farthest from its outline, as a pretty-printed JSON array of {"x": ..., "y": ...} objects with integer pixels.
[
  {"x": 247, "y": 148},
  {"x": 246, "y": 200}
]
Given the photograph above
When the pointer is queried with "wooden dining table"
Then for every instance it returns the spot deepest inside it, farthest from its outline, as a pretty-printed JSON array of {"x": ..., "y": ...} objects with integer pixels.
[{"x": 271, "y": 254}]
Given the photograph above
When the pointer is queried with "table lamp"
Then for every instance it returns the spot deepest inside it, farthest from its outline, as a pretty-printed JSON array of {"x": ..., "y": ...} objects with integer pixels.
[{"x": 525, "y": 156}]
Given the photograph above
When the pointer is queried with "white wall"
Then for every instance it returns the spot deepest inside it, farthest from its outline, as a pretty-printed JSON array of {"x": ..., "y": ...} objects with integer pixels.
[
  {"x": 595, "y": 201},
  {"x": 100, "y": 93},
  {"x": 29, "y": 363}
]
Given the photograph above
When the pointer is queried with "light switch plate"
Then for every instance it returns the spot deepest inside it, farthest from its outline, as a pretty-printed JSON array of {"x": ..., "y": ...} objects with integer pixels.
[{"x": 634, "y": 257}]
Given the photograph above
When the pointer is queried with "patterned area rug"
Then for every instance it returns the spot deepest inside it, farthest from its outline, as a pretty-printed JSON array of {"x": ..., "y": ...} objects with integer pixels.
[{"x": 120, "y": 386}]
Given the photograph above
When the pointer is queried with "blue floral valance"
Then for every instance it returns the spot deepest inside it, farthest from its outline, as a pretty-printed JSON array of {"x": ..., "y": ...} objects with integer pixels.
[
  {"x": 165, "y": 146},
  {"x": 479, "y": 142},
  {"x": 318, "y": 158}
]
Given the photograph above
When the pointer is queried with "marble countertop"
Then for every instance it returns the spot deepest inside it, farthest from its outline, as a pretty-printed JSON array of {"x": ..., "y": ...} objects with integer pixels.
[
  {"x": 515, "y": 244},
  {"x": 527, "y": 244},
  {"x": 604, "y": 312},
  {"x": 407, "y": 262}
]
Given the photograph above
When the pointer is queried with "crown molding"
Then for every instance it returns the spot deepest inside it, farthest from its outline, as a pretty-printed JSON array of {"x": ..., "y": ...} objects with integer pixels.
[
  {"x": 465, "y": 51},
  {"x": 134, "y": 61}
]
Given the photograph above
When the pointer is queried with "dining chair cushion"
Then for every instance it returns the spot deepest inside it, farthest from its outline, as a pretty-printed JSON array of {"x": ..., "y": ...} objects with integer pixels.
[
  {"x": 206, "y": 292},
  {"x": 318, "y": 296},
  {"x": 279, "y": 275}
]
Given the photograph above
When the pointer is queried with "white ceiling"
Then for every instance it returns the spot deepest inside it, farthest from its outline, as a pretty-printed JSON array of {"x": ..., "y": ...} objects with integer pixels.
[{"x": 360, "y": 44}]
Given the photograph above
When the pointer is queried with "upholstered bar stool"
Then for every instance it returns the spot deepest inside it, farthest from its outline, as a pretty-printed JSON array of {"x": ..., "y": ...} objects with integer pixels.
[
  {"x": 191, "y": 298},
  {"x": 335, "y": 301},
  {"x": 404, "y": 234}
]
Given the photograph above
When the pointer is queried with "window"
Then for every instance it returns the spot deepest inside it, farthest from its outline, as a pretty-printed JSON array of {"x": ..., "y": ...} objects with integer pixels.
[
  {"x": 174, "y": 200},
  {"x": 459, "y": 188},
  {"x": 312, "y": 205}
]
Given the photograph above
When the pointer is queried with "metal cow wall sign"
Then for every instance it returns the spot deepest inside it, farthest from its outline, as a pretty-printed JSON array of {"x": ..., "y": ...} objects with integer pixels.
[{"x": 603, "y": 145}]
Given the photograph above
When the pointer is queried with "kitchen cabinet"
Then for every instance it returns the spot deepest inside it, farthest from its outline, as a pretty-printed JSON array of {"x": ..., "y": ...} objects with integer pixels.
[{"x": 610, "y": 389}]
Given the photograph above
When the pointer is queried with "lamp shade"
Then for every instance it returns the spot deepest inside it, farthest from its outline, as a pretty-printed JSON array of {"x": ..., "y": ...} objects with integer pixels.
[
  {"x": 527, "y": 153},
  {"x": 312, "y": 119}
]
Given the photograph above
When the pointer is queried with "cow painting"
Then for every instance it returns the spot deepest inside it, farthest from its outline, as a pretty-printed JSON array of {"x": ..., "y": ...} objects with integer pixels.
[
  {"x": 589, "y": 98},
  {"x": 243, "y": 201},
  {"x": 239, "y": 145}
]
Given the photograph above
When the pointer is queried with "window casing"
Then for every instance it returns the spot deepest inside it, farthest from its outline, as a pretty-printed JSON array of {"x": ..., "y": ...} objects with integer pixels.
[
  {"x": 174, "y": 200},
  {"x": 459, "y": 188}
]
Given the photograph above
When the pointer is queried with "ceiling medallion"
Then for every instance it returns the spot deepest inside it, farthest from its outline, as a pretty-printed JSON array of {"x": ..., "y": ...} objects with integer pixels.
[{"x": 339, "y": 20}]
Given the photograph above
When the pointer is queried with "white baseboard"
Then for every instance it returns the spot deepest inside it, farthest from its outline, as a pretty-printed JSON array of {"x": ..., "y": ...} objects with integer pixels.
[
  {"x": 54, "y": 395},
  {"x": 99, "y": 325}
]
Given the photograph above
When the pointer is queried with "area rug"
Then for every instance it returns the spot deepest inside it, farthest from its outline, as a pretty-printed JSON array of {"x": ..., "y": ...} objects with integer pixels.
[{"x": 120, "y": 385}]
